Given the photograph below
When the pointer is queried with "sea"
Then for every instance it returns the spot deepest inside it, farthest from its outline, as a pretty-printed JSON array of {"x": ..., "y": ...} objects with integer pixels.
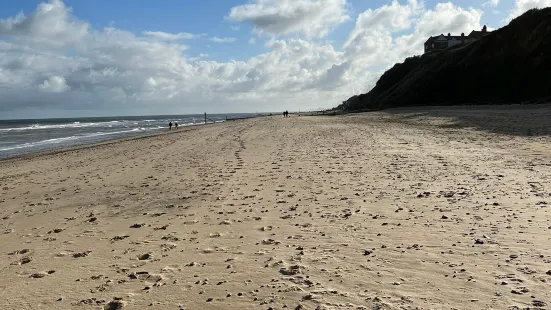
[{"x": 26, "y": 136}]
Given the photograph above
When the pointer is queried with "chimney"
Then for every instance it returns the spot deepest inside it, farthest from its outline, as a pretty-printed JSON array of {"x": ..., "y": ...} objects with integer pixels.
[
  {"x": 449, "y": 34},
  {"x": 462, "y": 34},
  {"x": 484, "y": 29}
]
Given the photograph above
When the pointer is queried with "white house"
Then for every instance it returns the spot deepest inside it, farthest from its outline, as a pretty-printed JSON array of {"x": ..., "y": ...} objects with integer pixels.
[{"x": 442, "y": 41}]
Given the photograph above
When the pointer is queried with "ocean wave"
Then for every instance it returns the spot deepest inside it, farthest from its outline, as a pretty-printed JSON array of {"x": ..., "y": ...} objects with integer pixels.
[
  {"x": 110, "y": 124},
  {"x": 73, "y": 138},
  {"x": 39, "y": 126}
]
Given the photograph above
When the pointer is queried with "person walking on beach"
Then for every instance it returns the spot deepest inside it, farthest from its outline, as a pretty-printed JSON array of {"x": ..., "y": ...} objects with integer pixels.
[
  {"x": 175, "y": 125},
  {"x": 169, "y": 125}
]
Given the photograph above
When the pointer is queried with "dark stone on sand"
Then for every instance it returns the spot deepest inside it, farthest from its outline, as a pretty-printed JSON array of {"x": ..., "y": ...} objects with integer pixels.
[
  {"x": 290, "y": 271},
  {"x": 118, "y": 238},
  {"x": 81, "y": 254},
  {"x": 479, "y": 241},
  {"x": 538, "y": 303},
  {"x": 26, "y": 260},
  {"x": 144, "y": 256},
  {"x": 91, "y": 301},
  {"x": 114, "y": 305}
]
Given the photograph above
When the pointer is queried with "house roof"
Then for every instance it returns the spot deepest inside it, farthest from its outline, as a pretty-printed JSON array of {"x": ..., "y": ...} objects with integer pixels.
[
  {"x": 477, "y": 34},
  {"x": 432, "y": 39}
]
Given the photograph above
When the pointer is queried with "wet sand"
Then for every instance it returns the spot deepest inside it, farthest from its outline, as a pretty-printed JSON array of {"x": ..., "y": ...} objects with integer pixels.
[{"x": 386, "y": 210}]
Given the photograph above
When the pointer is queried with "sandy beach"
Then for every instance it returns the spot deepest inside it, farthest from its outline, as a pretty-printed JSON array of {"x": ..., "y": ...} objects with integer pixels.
[{"x": 440, "y": 208}]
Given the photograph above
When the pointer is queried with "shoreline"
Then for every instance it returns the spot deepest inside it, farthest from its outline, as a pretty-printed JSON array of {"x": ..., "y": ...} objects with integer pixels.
[
  {"x": 430, "y": 111},
  {"x": 53, "y": 148},
  {"x": 123, "y": 139},
  {"x": 103, "y": 143}
]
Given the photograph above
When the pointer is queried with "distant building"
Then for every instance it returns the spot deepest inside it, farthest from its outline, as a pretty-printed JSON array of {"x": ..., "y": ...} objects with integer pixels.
[{"x": 442, "y": 41}]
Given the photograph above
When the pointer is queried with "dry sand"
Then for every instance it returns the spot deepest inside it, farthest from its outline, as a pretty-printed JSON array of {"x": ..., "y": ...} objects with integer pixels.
[{"x": 405, "y": 209}]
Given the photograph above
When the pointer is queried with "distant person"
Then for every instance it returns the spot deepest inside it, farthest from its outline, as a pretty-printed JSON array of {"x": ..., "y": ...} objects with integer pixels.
[
  {"x": 284, "y": 114},
  {"x": 175, "y": 125},
  {"x": 169, "y": 125}
]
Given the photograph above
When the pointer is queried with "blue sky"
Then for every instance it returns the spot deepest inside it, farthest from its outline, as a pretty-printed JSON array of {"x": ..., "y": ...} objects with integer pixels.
[{"x": 274, "y": 54}]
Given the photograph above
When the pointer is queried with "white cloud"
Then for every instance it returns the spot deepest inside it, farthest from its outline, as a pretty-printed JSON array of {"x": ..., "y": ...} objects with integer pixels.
[
  {"x": 493, "y": 3},
  {"x": 371, "y": 38},
  {"x": 54, "y": 84},
  {"x": 164, "y": 36},
  {"x": 223, "y": 40},
  {"x": 200, "y": 56},
  {"x": 522, "y": 6},
  {"x": 333, "y": 78},
  {"x": 313, "y": 18},
  {"x": 393, "y": 17},
  {"x": 51, "y": 23}
]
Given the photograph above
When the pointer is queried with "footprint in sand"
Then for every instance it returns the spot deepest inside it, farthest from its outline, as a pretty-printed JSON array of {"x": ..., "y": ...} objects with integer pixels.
[
  {"x": 42, "y": 274},
  {"x": 81, "y": 254},
  {"x": 23, "y": 261}
]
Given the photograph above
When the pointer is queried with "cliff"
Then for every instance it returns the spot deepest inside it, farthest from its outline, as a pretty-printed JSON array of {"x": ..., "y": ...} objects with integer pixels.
[{"x": 509, "y": 65}]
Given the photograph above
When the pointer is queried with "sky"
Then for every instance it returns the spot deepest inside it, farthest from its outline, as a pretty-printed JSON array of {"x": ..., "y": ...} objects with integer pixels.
[{"x": 78, "y": 58}]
